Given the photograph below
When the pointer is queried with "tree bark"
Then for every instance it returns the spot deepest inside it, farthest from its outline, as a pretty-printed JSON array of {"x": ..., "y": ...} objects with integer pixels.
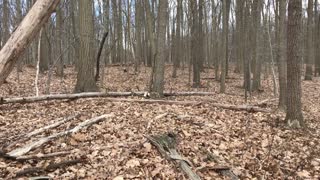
[
  {"x": 23, "y": 35},
  {"x": 294, "y": 115},
  {"x": 158, "y": 74},
  {"x": 85, "y": 77},
  {"x": 282, "y": 65},
  {"x": 309, "y": 51},
  {"x": 224, "y": 57}
]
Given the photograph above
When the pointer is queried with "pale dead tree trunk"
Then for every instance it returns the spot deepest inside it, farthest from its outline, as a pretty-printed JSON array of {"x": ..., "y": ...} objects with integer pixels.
[
  {"x": 224, "y": 56},
  {"x": 282, "y": 65},
  {"x": 294, "y": 115},
  {"x": 85, "y": 76},
  {"x": 59, "y": 40},
  {"x": 158, "y": 84},
  {"x": 23, "y": 35},
  {"x": 309, "y": 51},
  {"x": 38, "y": 63}
]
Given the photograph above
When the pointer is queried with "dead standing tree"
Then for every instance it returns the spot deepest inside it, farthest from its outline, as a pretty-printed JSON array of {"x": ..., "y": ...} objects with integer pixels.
[{"x": 24, "y": 34}]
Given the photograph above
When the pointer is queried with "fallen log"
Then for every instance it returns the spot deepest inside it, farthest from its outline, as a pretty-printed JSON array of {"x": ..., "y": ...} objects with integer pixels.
[
  {"x": 166, "y": 145},
  {"x": 32, "y": 99},
  {"x": 42, "y": 156},
  {"x": 24, "y": 34},
  {"x": 106, "y": 97},
  {"x": 28, "y": 147}
]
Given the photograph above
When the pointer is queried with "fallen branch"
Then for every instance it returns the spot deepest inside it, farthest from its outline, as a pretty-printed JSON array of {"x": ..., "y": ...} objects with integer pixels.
[
  {"x": 42, "y": 156},
  {"x": 49, "y": 168},
  {"x": 38, "y": 131},
  {"x": 28, "y": 147},
  {"x": 248, "y": 108},
  {"x": 166, "y": 145},
  {"x": 32, "y": 99}
]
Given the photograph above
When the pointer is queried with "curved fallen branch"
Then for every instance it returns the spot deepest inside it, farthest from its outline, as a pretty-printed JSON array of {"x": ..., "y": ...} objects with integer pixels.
[
  {"x": 28, "y": 147},
  {"x": 41, "y": 130}
]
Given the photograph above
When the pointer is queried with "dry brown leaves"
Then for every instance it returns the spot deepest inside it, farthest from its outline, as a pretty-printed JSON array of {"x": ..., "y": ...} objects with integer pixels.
[{"x": 254, "y": 145}]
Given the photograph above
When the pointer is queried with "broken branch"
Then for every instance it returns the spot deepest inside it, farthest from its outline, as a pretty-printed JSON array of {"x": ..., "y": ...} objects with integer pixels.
[{"x": 28, "y": 147}]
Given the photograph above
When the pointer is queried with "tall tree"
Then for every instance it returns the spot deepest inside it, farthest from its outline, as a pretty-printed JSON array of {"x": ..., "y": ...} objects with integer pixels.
[
  {"x": 317, "y": 40},
  {"x": 194, "y": 43},
  {"x": 224, "y": 57},
  {"x": 256, "y": 65},
  {"x": 282, "y": 65},
  {"x": 85, "y": 77},
  {"x": 308, "y": 75},
  {"x": 59, "y": 40},
  {"x": 158, "y": 75},
  {"x": 6, "y": 20},
  {"x": 177, "y": 59},
  {"x": 294, "y": 115}
]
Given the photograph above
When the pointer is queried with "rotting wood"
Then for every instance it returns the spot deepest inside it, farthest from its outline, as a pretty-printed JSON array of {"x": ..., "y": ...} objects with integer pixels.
[
  {"x": 41, "y": 130},
  {"x": 107, "y": 97},
  {"x": 50, "y": 167},
  {"x": 226, "y": 171},
  {"x": 166, "y": 145},
  {"x": 28, "y": 147}
]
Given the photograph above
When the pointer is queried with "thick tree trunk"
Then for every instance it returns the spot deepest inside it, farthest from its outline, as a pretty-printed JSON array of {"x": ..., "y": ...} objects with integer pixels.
[
  {"x": 85, "y": 77},
  {"x": 158, "y": 75},
  {"x": 282, "y": 65},
  {"x": 309, "y": 51},
  {"x": 294, "y": 115},
  {"x": 23, "y": 35},
  {"x": 224, "y": 57}
]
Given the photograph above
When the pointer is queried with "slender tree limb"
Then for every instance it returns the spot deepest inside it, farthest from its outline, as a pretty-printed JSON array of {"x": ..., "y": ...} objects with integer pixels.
[
  {"x": 42, "y": 156},
  {"x": 41, "y": 130},
  {"x": 28, "y": 147},
  {"x": 105, "y": 35}
]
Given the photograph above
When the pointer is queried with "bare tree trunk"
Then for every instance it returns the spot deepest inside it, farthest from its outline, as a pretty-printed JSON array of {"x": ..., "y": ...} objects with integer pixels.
[
  {"x": 282, "y": 65},
  {"x": 85, "y": 77},
  {"x": 294, "y": 115},
  {"x": 224, "y": 57},
  {"x": 158, "y": 84},
  {"x": 23, "y": 35},
  {"x": 308, "y": 75},
  {"x": 256, "y": 67},
  {"x": 59, "y": 40}
]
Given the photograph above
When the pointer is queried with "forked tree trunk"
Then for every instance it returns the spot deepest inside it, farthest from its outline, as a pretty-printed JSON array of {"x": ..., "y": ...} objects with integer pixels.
[{"x": 23, "y": 35}]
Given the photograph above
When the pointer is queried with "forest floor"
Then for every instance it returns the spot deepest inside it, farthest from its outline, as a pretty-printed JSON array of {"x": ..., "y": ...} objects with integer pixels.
[{"x": 254, "y": 145}]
